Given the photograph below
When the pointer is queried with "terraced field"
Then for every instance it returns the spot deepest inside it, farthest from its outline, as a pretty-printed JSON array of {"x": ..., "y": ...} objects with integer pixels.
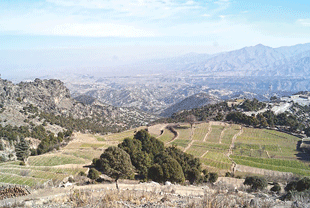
[
  {"x": 214, "y": 136},
  {"x": 54, "y": 167},
  {"x": 200, "y": 131},
  {"x": 184, "y": 137},
  {"x": 120, "y": 136},
  {"x": 269, "y": 149},
  {"x": 293, "y": 166},
  {"x": 266, "y": 143},
  {"x": 229, "y": 133},
  {"x": 13, "y": 173},
  {"x": 211, "y": 142},
  {"x": 205, "y": 141},
  {"x": 166, "y": 137},
  {"x": 261, "y": 148}
]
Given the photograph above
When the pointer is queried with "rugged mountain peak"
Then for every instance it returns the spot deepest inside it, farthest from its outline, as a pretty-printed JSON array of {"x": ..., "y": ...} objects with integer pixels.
[{"x": 46, "y": 94}]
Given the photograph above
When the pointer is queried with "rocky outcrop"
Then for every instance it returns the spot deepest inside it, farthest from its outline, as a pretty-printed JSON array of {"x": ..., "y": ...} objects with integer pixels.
[
  {"x": 52, "y": 96},
  {"x": 7, "y": 151}
]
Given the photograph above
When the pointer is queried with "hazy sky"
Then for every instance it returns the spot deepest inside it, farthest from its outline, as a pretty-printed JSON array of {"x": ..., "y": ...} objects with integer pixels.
[{"x": 40, "y": 34}]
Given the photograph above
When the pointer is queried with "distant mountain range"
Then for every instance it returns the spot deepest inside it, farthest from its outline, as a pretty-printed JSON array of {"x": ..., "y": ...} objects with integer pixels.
[
  {"x": 158, "y": 86},
  {"x": 256, "y": 60}
]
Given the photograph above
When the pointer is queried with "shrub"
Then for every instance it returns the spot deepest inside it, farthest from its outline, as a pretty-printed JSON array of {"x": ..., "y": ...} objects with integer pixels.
[
  {"x": 24, "y": 172},
  {"x": 82, "y": 173},
  {"x": 303, "y": 184},
  {"x": 93, "y": 174},
  {"x": 256, "y": 183},
  {"x": 291, "y": 186},
  {"x": 193, "y": 175},
  {"x": 228, "y": 174},
  {"x": 302, "y": 196},
  {"x": 206, "y": 178},
  {"x": 71, "y": 180},
  {"x": 276, "y": 187},
  {"x": 213, "y": 177},
  {"x": 205, "y": 171}
]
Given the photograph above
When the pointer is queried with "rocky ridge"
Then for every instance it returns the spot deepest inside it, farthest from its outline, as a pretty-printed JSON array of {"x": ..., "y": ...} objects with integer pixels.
[{"x": 51, "y": 96}]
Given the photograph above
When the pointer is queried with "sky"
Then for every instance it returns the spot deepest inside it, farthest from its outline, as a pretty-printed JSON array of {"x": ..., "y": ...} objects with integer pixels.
[{"x": 42, "y": 35}]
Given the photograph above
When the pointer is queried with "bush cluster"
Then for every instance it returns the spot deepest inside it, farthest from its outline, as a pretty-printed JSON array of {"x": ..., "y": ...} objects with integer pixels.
[
  {"x": 256, "y": 182},
  {"x": 151, "y": 160}
]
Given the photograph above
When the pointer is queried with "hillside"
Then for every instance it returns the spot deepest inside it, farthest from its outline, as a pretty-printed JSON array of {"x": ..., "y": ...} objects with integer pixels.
[
  {"x": 38, "y": 117},
  {"x": 221, "y": 147},
  {"x": 52, "y": 97},
  {"x": 188, "y": 103}
]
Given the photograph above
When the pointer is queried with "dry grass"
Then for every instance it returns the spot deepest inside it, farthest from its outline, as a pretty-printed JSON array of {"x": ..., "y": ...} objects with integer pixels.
[{"x": 220, "y": 196}]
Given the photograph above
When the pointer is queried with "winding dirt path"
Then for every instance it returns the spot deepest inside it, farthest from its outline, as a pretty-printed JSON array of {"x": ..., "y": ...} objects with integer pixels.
[
  {"x": 233, "y": 141},
  {"x": 176, "y": 136},
  {"x": 189, "y": 145},
  {"x": 234, "y": 165},
  {"x": 157, "y": 129},
  {"x": 192, "y": 141},
  {"x": 209, "y": 130}
]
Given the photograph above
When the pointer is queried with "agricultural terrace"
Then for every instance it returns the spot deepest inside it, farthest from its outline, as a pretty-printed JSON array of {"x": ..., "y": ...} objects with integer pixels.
[
  {"x": 54, "y": 167},
  {"x": 269, "y": 149},
  {"x": 121, "y": 136},
  {"x": 266, "y": 143},
  {"x": 184, "y": 136},
  {"x": 166, "y": 137},
  {"x": 215, "y": 134},
  {"x": 204, "y": 141},
  {"x": 200, "y": 131},
  {"x": 261, "y": 148}
]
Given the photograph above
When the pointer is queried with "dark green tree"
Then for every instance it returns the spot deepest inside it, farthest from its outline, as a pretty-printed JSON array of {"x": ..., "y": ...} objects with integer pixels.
[
  {"x": 149, "y": 144},
  {"x": 193, "y": 175},
  {"x": 131, "y": 146},
  {"x": 187, "y": 161},
  {"x": 172, "y": 170},
  {"x": 142, "y": 163},
  {"x": 155, "y": 173},
  {"x": 22, "y": 150},
  {"x": 116, "y": 163},
  {"x": 93, "y": 174}
]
